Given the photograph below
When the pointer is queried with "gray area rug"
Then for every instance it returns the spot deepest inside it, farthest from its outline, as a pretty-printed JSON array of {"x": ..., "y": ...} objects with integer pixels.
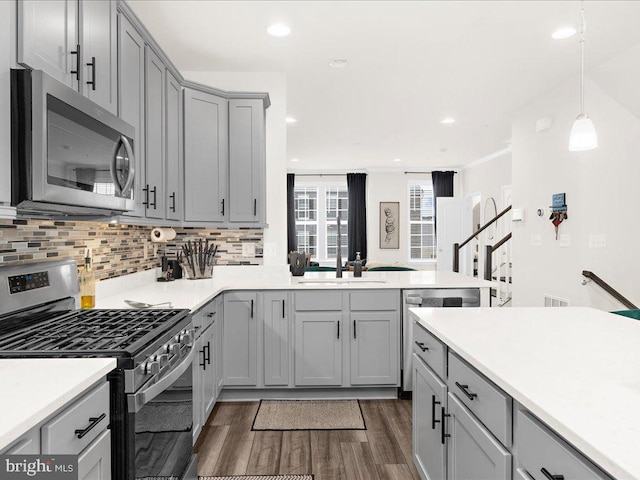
[
  {"x": 262, "y": 477},
  {"x": 309, "y": 415},
  {"x": 165, "y": 417}
]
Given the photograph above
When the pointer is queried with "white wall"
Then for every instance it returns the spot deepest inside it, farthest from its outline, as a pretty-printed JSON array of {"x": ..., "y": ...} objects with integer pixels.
[
  {"x": 603, "y": 197},
  {"x": 487, "y": 179},
  {"x": 275, "y": 236},
  {"x": 5, "y": 110}
]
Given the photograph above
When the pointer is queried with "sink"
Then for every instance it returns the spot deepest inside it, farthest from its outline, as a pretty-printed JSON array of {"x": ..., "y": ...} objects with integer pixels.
[{"x": 339, "y": 281}]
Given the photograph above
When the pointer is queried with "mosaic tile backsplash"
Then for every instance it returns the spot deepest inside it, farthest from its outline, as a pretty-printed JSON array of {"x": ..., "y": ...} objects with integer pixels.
[{"x": 117, "y": 249}]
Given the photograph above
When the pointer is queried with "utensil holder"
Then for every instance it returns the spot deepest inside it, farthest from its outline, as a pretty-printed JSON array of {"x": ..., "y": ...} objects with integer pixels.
[{"x": 195, "y": 272}]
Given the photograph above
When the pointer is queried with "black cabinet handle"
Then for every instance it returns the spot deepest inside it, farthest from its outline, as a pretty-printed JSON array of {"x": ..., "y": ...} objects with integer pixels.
[
  {"x": 255, "y": 207},
  {"x": 92, "y": 64},
  {"x": 93, "y": 421},
  {"x": 204, "y": 359},
  {"x": 251, "y": 308},
  {"x": 173, "y": 202},
  {"x": 208, "y": 353},
  {"x": 77, "y": 70},
  {"x": 443, "y": 435},
  {"x": 146, "y": 196},
  {"x": 464, "y": 388},
  {"x": 211, "y": 314},
  {"x": 434, "y": 402},
  {"x": 354, "y": 329},
  {"x": 421, "y": 346},
  {"x": 283, "y": 308},
  {"x": 546, "y": 473},
  {"x": 338, "y": 325},
  {"x": 222, "y": 212},
  {"x": 155, "y": 192}
]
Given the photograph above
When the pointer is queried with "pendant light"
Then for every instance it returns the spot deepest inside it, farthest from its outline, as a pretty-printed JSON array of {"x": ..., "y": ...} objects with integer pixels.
[{"x": 583, "y": 133}]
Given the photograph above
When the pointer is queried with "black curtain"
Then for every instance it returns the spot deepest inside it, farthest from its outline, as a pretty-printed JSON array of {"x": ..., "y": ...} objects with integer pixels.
[
  {"x": 357, "y": 188},
  {"x": 292, "y": 238},
  {"x": 442, "y": 186}
]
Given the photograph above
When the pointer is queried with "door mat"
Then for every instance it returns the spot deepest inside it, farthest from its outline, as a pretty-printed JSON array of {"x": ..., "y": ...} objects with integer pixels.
[
  {"x": 158, "y": 417},
  {"x": 309, "y": 415},
  {"x": 262, "y": 477}
]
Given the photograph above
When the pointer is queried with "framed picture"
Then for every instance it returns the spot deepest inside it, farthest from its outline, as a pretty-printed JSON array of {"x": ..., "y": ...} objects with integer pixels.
[{"x": 390, "y": 225}]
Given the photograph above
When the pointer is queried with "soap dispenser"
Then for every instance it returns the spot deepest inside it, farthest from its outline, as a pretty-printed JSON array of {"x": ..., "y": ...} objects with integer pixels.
[{"x": 357, "y": 266}]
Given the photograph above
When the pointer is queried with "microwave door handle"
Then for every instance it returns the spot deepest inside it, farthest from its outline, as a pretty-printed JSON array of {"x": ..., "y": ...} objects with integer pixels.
[
  {"x": 132, "y": 170},
  {"x": 113, "y": 167},
  {"x": 137, "y": 400}
]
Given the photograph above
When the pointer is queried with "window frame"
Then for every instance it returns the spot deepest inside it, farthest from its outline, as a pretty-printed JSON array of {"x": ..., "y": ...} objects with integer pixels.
[{"x": 422, "y": 182}]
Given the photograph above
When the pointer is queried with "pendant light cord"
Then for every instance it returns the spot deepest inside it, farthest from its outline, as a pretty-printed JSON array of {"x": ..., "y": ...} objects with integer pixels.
[{"x": 582, "y": 29}]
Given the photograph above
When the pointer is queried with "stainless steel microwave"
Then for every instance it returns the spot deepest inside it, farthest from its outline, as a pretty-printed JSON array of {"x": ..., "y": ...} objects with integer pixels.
[{"x": 68, "y": 155}]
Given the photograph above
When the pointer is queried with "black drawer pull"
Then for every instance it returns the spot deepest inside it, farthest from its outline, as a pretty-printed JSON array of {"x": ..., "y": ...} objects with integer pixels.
[
  {"x": 443, "y": 435},
  {"x": 146, "y": 196},
  {"x": 222, "y": 212},
  {"x": 204, "y": 358},
  {"x": 433, "y": 412},
  {"x": 92, "y": 64},
  {"x": 283, "y": 309},
  {"x": 208, "y": 358},
  {"x": 173, "y": 202},
  {"x": 93, "y": 422},
  {"x": 154, "y": 191},
  {"x": 338, "y": 331},
  {"x": 255, "y": 207},
  {"x": 354, "y": 329},
  {"x": 469, "y": 395},
  {"x": 546, "y": 473},
  {"x": 77, "y": 70},
  {"x": 252, "y": 308},
  {"x": 422, "y": 346}
]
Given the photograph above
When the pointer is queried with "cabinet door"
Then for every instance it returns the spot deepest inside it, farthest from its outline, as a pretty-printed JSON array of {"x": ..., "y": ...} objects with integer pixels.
[
  {"x": 6, "y": 55},
  {"x": 47, "y": 36},
  {"x": 208, "y": 373},
  {"x": 240, "y": 339},
  {"x": 196, "y": 379},
  {"x": 99, "y": 48},
  {"x": 472, "y": 451},
  {"x": 94, "y": 463},
  {"x": 318, "y": 348},
  {"x": 219, "y": 341},
  {"x": 247, "y": 161},
  {"x": 429, "y": 393},
  {"x": 375, "y": 353},
  {"x": 131, "y": 99},
  {"x": 155, "y": 118},
  {"x": 206, "y": 157},
  {"x": 173, "y": 163},
  {"x": 276, "y": 339}
]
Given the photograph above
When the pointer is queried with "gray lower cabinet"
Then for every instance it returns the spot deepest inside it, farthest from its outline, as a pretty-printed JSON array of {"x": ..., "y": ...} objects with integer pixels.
[
  {"x": 94, "y": 463},
  {"x": 206, "y": 157},
  {"x": 131, "y": 66},
  {"x": 318, "y": 348},
  {"x": 429, "y": 404},
  {"x": 154, "y": 195},
  {"x": 276, "y": 338},
  {"x": 173, "y": 148},
  {"x": 206, "y": 364},
  {"x": 240, "y": 339},
  {"x": 247, "y": 161},
  {"x": 218, "y": 356},
  {"x": 375, "y": 348}
]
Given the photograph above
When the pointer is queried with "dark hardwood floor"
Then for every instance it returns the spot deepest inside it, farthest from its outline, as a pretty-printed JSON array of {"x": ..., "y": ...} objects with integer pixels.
[{"x": 227, "y": 446}]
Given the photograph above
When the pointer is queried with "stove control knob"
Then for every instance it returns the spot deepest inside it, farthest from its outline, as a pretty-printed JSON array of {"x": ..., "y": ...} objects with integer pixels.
[
  {"x": 186, "y": 337},
  {"x": 173, "y": 348},
  {"x": 162, "y": 359},
  {"x": 152, "y": 368}
]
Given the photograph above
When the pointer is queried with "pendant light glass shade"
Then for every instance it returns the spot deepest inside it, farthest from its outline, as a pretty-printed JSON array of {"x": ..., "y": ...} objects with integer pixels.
[{"x": 583, "y": 134}]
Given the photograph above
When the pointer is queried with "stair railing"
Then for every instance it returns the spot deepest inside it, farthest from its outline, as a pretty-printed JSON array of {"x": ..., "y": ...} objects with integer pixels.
[
  {"x": 502, "y": 277},
  {"x": 458, "y": 246},
  {"x": 608, "y": 288}
]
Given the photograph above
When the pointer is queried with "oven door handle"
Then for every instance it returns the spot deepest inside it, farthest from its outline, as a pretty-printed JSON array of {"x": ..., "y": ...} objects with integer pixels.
[
  {"x": 137, "y": 400},
  {"x": 122, "y": 190},
  {"x": 132, "y": 169}
]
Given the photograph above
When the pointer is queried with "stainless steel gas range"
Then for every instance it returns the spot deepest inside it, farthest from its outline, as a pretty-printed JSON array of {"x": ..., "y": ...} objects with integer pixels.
[{"x": 151, "y": 389}]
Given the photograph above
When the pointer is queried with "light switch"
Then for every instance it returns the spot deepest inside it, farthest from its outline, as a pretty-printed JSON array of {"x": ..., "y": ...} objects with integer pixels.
[
  {"x": 598, "y": 240},
  {"x": 564, "y": 240},
  {"x": 536, "y": 240}
]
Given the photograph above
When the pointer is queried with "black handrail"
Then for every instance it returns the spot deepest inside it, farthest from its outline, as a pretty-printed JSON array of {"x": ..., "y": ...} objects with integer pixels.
[
  {"x": 488, "y": 259},
  {"x": 609, "y": 289},
  {"x": 458, "y": 246}
]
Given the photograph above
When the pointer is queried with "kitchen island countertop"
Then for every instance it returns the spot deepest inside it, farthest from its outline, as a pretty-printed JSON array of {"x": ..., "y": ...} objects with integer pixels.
[
  {"x": 194, "y": 294},
  {"x": 34, "y": 388},
  {"x": 577, "y": 369}
]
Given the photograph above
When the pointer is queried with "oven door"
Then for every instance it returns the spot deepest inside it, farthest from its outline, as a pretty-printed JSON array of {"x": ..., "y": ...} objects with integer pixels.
[{"x": 162, "y": 415}]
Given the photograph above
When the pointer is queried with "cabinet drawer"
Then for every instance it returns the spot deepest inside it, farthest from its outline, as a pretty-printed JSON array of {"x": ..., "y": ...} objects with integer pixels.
[
  {"x": 430, "y": 349},
  {"x": 28, "y": 444},
  {"x": 316, "y": 301},
  {"x": 491, "y": 405},
  {"x": 539, "y": 448},
  {"x": 377, "y": 300},
  {"x": 59, "y": 435}
]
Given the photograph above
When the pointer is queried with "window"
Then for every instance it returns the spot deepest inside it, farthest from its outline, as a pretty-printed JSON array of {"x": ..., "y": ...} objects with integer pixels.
[
  {"x": 422, "y": 238},
  {"x": 317, "y": 208}
]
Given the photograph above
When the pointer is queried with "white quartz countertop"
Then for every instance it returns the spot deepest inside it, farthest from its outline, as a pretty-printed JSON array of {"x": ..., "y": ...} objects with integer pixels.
[
  {"x": 577, "y": 369},
  {"x": 33, "y": 389},
  {"x": 193, "y": 294}
]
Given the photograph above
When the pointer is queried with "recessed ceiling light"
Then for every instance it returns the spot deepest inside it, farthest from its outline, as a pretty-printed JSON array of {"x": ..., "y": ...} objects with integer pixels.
[
  {"x": 397, "y": 159},
  {"x": 295, "y": 160},
  {"x": 278, "y": 30},
  {"x": 339, "y": 62},
  {"x": 291, "y": 120},
  {"x": 448, "y": 120},
  {"x": 563, "y": 32}
]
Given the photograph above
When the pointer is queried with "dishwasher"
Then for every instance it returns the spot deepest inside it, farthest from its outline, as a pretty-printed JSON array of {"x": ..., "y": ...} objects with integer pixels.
[{"x": 434, "y": 298}]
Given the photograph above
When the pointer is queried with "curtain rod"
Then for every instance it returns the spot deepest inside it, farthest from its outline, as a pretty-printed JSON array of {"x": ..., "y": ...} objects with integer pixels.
[
  {"x": 428, "y": 173},
  {"x": 320, "y": 174}
]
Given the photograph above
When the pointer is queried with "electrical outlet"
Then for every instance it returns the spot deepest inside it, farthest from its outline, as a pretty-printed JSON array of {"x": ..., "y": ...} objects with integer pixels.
[
  {"x": 145, "y": 248},
  {"x": 564, "y": 240},
  {"x": 248, "y": 249},
  {"x": 597, "y": 241},
  {"x": 536, "y": 240}
]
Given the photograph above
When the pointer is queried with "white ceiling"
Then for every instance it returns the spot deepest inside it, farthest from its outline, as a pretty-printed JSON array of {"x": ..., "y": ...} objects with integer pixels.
[{"x": 412, "y": 63}]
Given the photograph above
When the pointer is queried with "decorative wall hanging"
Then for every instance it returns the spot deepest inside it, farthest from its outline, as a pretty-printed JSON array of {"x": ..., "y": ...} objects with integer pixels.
[
  {"x": 558, "y": 210},
  {"x": 389, "y": 225}
]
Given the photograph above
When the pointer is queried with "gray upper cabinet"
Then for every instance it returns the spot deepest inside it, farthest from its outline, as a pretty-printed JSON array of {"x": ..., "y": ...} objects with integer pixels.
[
  {"x": 240, "y": 339},
  {"x": 74, "y": 41},
  {"x": 318, "y": 348},
  {"x": 375, "y": 348},
  {"x": 131, "y": 98},
  {"x": 98, "y": 41},
  {"x": 206, "y": 157},
  {"x": 48, "y": 38},
  {"x": 174, "y": 159},
  {"x": 276, "y": 338},
  {"x": 154, "y": 198},
  {"x": 5, "y": 112},
  {"x": 247, "y": 182}
]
